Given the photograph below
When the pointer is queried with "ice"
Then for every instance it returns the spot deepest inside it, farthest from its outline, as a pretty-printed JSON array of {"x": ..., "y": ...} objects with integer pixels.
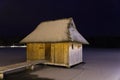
[{"x": 101, "y": 64}]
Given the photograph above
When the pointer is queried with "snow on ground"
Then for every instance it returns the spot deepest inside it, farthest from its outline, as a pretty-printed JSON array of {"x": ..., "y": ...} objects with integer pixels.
[{"x": 101, "y": 64}]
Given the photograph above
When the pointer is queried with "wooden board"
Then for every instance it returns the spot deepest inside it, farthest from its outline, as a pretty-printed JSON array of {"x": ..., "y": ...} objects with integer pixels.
[
  {"x": 52, "y": 53},
  {"x": 66, "y": 53},
  {"x": 20, "y": 65},
  {"x": 12, "y": 67}
]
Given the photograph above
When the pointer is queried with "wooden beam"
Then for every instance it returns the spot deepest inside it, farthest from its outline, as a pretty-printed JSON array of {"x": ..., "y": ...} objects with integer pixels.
[
  {"x": 1, "y": 76},
  {"x": 28, "y": 65}
]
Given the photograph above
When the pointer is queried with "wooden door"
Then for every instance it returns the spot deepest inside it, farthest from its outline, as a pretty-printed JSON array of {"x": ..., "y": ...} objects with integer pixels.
[
  {"x": 48, "y": 52},
  {"x": 61, "y": 53}
]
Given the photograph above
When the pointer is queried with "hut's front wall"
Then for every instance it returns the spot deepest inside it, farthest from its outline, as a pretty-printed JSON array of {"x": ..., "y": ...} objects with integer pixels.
[
  {"x": 54, "y": 53},
  {"x": 65, "y": 54}
]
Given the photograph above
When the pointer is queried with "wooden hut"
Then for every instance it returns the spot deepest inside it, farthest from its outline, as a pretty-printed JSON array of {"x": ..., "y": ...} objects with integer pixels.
[{"x": 56, "y": 41}]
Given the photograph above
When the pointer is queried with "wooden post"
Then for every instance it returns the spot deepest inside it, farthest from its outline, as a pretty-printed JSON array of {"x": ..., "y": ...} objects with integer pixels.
[
  {"x": 32, "y": 67},
  {"x": 1, "y": 76}
]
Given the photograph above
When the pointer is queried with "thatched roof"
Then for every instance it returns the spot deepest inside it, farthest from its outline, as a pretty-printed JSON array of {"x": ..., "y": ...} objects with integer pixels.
[{"x": 62, "y": 30}]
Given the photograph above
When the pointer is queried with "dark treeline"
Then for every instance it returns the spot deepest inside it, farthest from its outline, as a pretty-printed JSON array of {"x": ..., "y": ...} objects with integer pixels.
[
  {"x": 104, "y": 42},
  {"x": 10, "y": 41}
]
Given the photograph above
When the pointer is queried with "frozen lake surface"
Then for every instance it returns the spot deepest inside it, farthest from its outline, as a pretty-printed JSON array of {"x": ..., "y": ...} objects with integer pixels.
[
  {"x": 101, "y": 64},
  {"x": 12, "y": 55}
]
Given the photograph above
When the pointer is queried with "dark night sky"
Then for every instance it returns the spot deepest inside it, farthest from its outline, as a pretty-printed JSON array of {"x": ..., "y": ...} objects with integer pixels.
[{"x": 92, "y": 17}]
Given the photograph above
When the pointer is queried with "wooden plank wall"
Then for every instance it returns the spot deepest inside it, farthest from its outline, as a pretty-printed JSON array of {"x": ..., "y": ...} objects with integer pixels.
[
  {"x": 60, "y": 53},
  {"x": 35, "y": 51},
  {"x": 55, "y": 53}
]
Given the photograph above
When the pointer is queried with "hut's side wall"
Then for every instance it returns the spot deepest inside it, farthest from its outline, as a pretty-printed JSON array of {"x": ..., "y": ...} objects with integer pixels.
[
  {"x": 75, "y": 53},
  {"x": 35, "y": 51}
]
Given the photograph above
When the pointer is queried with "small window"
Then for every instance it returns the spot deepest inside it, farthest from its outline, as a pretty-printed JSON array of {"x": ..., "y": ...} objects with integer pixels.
[{"x": 72, "y": 46}]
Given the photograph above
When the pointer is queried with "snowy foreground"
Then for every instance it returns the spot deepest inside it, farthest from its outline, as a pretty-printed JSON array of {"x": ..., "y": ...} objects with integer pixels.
[{"x": 101, "y": 64}]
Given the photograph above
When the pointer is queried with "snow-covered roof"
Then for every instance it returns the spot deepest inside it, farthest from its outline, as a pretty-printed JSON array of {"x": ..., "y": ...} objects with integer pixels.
[{"x": 61, "y": 30}]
